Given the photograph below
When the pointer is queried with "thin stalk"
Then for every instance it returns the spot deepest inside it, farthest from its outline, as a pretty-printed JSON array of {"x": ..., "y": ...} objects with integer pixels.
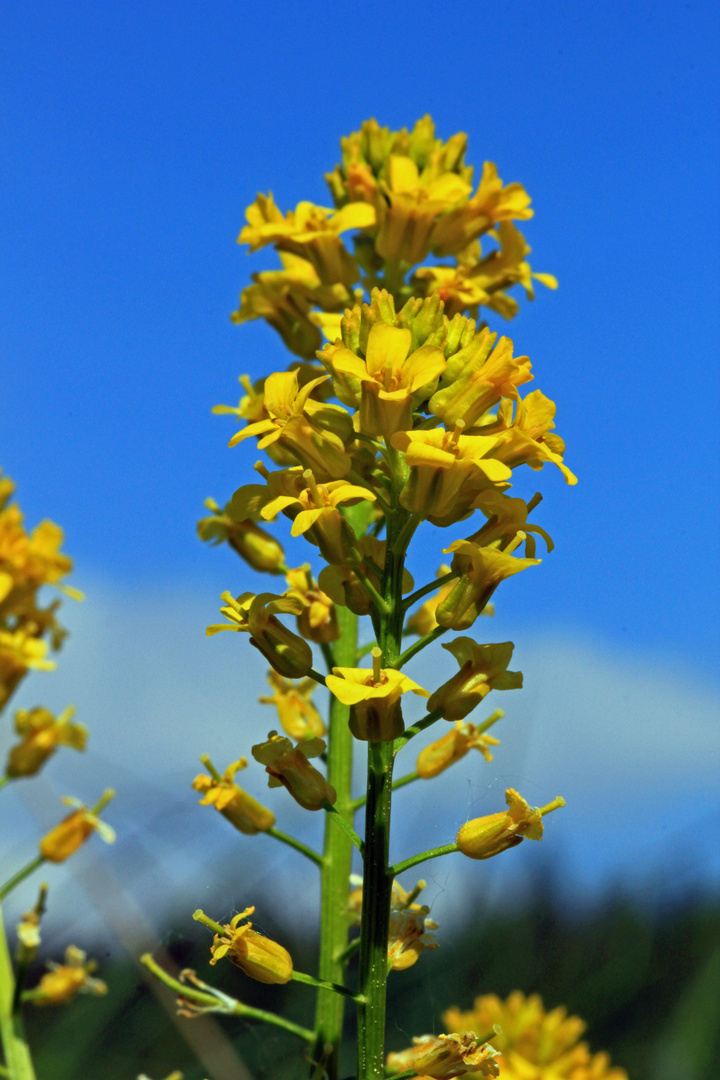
[
  {"x": 308, "y": 852},
  {"x": 232, "y": 1006},
  {"x": 419, "y": 645},
  {"x": 432, "y": 586},
  {"x": 26, "y": 871},
  {"x": 415, "y": 729},
  {"x": 325, "y": 984},
  {"x": 424, "y": 856},
  {"x": 16, "y": 1050},
  {"x": 347, "y": 829},
  {"x": 337, "y": 862}
]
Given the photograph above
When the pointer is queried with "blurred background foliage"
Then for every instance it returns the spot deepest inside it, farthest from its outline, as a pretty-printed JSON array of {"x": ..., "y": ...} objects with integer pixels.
[{"x": 645, "y": 977}]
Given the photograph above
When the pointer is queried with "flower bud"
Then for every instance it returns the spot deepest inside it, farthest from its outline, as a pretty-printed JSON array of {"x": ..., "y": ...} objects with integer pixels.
[
  {"x": 288, "y": 766},
  {"x": 40, "y": 735},
  {"x": 482, "y": 668},
  {"x": 72, "y": 832}
]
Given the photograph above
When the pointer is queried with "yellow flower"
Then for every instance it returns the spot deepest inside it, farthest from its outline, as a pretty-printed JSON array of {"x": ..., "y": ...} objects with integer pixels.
[
  {"x": 312, "y": 507},
  {"x": 344, "y": 587},
  {"x": 314, "y": 432},
  {"x": 312, "y": 232},
  {"x": 318, "y": 620},
  {"x": 288, "y": 766},
  {"x": 410, "y": 929},
  {"x": 241, "y": 810},
  {"x": 258, "y": 956},
  {"x": 41, "y": 734},
  {"x": 374, "y": 699},
  {"x": 391, "y": 381},
  {"x": 19, "y": 652},
  {"x": 72, "y": 832},
  {"x": 507, "y": 518},
  {"x": 490, "y": 204},
  {"x": 446, "y": 1056},
  {"x": 296, "y": 712},
  {"x": 534, "y": 1043},
  {"x": 288, "y": 653},
  {"x": 258, "y": 548},
  {"x": 482, "y": 668},
  {"x": 452, "y": 747},
  {"x": 528, "y": 439},
  {"x": 447, "y": 469},
  {"x": 480, "y": 570},
  {"x": 487, "y": 836},
  {"x": 477, "y": 377},
  {"x": 63, "y": 981}
]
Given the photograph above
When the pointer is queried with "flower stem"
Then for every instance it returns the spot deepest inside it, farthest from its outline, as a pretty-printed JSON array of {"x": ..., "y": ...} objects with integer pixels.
[
  {"x": 346, "y": 828},
  {"x": 415, "y": 860},
  {"x": 12, "y": 1033},
  {"x": 308, "y": 852},
  {"x": 235, "y": 1008},
  {"x": 324, "y": 984},
  {"x": 432, "y": 586},
  {"x": 337, "y": 861},
  {"x": 16, "y": 879},
  {"x": 415, "y": 729},
  {"x": 418, "y": 645}
]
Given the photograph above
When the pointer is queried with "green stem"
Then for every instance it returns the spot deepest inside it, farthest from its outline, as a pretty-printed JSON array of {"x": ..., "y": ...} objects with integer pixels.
[
  {"x": 415, "y": 860},
  {"x": 234, "y": 1007},
  {"x": 415, "y": 729},
  {"x": 308, "y": 852},
  {"x": 426, "y": 640},
  {"x": 370, "y": 589},
  {"x": 401, "y": 782},
  {"x": 346, "y": 828},
  {"x": 16, "y": 879},
  {"x": 313, "y": 674},
  {"x": 324, "y": 984},
  {"x": 3, "y": 781},
  {"x": 432, "y": 586},
  {"x": 337, "y": 860},
  {"x": 12, "y": 1033}
]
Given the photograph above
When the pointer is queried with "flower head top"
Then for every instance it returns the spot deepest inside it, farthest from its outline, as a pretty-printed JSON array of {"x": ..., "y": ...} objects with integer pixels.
[{"x": 289, "y": 766}]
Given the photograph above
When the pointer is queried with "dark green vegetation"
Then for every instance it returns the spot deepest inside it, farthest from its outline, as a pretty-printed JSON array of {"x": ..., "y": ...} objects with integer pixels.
[{"x": 649, "y": 987}]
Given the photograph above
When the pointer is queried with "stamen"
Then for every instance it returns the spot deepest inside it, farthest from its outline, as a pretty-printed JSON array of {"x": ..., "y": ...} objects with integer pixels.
[
  {"x": 557, "y": 802},
  {"x": 314, "y": 489},
  {"x": 261, "y": 467},
  {"x": 414, "y": 894},
  {"x": 537, "y": 498},
  {"x": 457, "y": 432},
  {"x": 376, "y": 659},
  {"x": 515, "y": 543}
]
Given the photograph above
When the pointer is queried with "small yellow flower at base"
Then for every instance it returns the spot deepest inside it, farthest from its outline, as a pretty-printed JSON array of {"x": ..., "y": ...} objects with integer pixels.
[
  {"x": 374, "y": 699},
  {"x": 64, "y": 981},
  {"x": 409, "y": 934},
  {"x": 535, "y": 1044},
  {"x": 298, "y": 716},
  {"x": 41, "y": 734},
  {"x": 464, "y": 737},
  {"x": 241, "y": 810},
  {"x": 258, "y": 956},
  {"x": 480, "y": 570},
  {"x": 487, "y": 836},
  {"x": 72, "y": 832},
  {"x": 447, "y": 1056},
  {"x": 288, "y": 766}
]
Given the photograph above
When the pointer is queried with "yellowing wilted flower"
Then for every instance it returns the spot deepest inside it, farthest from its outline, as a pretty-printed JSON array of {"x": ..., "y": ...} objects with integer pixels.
[
  {"x": 63, "y": 981},
  {"x": 480, "y": 570},
  {"x": 374, "y": 699},
  {"x": 72, "y": 832},
  {"x": 41, "y": 734},
  {"x": 446, "y": 1056},
  {"x": 482, "y": 668},
  {"x": 258, "y": 956},
  {"x": 313, "y": 432},
  {"x": 410, "y": 932},
  {"x": 390, "y": 381},
  {"x": 487, "y": 836},
  {"x": 288, "y": 653},
  {"x": 464, "y": 737},
  {"x": 298, "y": 716},
  {"x": 533, "y": 1042},
  {"x": 288, "y": 766},
  {"x": 257, "y": 547},
  {"x": 318, "y": 620},
  {"x": 241, "y": 810}
]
